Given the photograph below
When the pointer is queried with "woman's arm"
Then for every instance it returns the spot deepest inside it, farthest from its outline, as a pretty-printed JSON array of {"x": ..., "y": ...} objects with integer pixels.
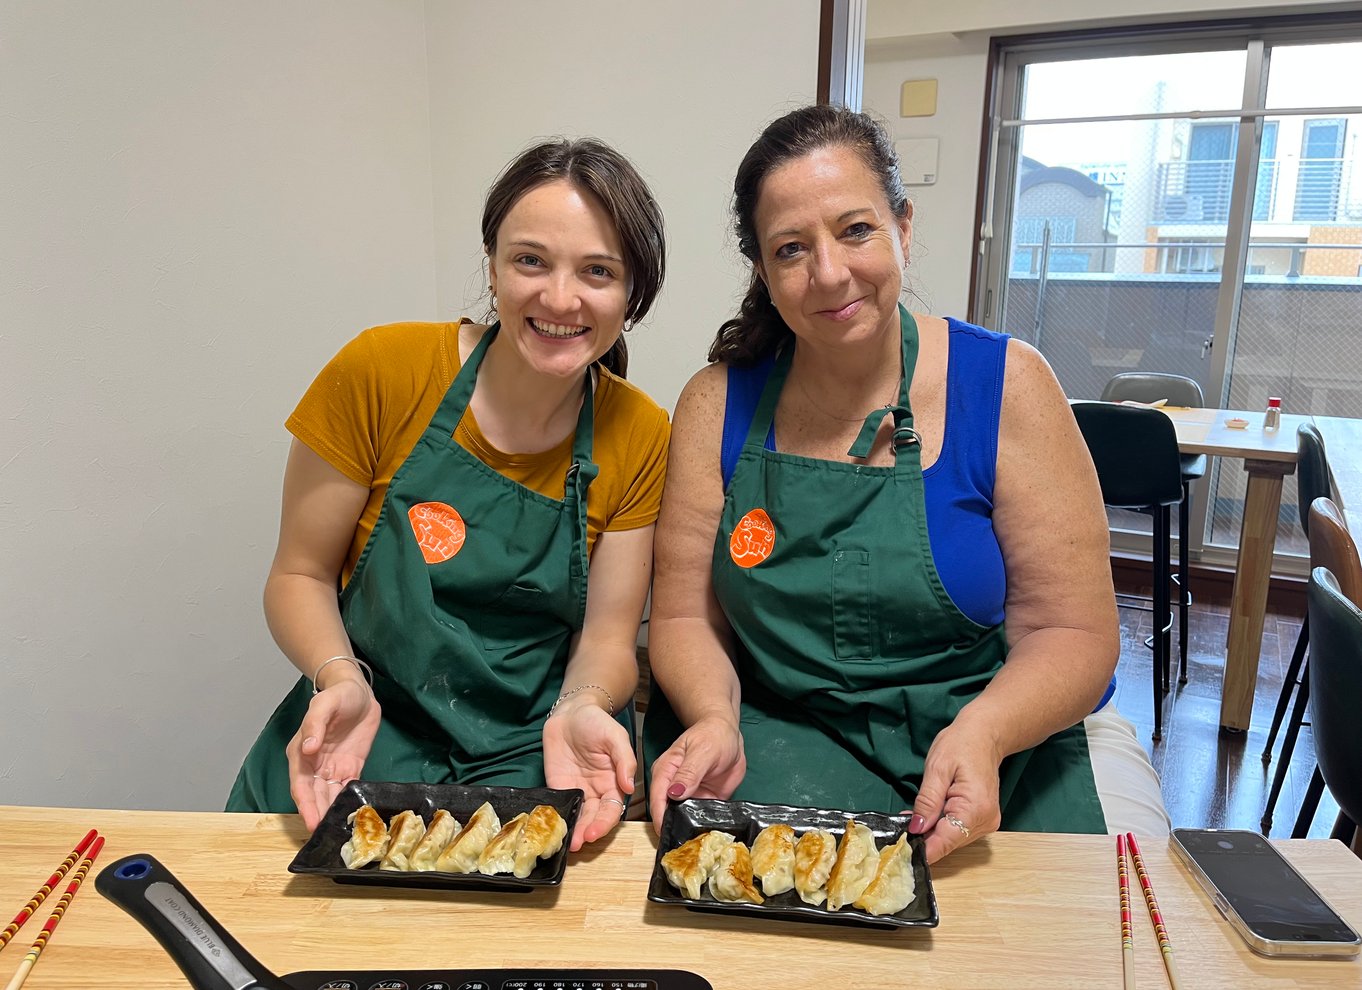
[
  {"x": 1060, "y": 609},
  {"x": 583, "y": 744},
  {"x": 689, "y": 639},
  {"x": 1062, "y": 629},
  {"x": 321, "y": 508}
]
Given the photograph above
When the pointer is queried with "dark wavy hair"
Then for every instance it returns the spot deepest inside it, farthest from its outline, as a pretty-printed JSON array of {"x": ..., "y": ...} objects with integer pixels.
[
  {"x": 594, "y": 167},
  {"x": 758, "y": 329}
]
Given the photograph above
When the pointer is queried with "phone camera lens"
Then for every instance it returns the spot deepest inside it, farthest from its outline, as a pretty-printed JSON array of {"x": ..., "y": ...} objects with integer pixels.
[{"x": 1225, "y": 844}]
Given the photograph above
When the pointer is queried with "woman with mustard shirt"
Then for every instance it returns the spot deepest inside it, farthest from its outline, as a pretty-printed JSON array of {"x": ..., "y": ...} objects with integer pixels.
[{"x": 458, "y": 483}]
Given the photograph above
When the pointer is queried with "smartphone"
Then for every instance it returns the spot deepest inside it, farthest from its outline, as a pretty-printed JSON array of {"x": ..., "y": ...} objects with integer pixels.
[{"x": 1262, "y": 896}]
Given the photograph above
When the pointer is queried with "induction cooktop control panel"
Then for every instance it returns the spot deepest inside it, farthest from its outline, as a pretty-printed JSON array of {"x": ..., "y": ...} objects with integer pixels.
[{"x": 500, "y": 979}]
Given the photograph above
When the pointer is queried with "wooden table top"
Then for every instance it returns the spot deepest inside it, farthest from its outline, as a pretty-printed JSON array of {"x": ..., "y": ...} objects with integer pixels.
[
  {"x": 1204, "y": 431},
  {"x": 1017, "y": 911}
]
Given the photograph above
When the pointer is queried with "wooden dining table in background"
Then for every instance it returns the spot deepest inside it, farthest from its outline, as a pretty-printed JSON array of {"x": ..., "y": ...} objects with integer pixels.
[
  {"x": 1017, "y": 911},
  {"x": 1268, "y": 456}
]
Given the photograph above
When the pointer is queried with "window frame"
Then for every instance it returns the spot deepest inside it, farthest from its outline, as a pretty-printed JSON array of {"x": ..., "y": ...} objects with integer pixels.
[{"x": 1001, "y": 155}]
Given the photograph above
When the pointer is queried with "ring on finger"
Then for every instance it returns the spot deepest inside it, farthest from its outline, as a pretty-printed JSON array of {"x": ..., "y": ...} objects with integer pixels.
[
  {"x": 964, "y": 829},
  {"x": 614, "y": 801}
]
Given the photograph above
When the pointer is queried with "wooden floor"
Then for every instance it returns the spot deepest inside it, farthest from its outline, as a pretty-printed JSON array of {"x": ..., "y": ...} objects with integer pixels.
[{"x": 1216, "y": 779}]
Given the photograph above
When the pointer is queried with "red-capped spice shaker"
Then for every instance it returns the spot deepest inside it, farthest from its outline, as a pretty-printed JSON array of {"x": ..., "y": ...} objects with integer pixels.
[{"x": 1272, "y": 419}]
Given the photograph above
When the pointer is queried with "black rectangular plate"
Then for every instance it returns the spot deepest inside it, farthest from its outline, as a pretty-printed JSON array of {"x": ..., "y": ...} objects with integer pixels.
[
  {"x": 321, "y": 856},
  {"x": 743, "y": 820}
]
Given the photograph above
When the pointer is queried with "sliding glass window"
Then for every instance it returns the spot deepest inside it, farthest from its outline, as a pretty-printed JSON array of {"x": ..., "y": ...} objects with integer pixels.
[{"x": 1189, "y": 203}]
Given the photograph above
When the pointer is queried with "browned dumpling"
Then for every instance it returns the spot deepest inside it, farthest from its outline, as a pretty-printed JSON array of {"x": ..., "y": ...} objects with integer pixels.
[
  {"x": 443, "y": 826},
  {"x": 773, "y": 858},
  {"x": 499, "y": 855},
  {"x": 891, "y": 890},
  {"x": 368, "y": 840},
  {"x": 731, "y": 878},
  {"x": 541, "y": 837},
  {"x": 406, "y": 829},
  {"x": 855, "y": 866},
  {"x": 461, "y": 855},
  {"x": 689, "y": 865},
  {"x": 815, "y": 852}
]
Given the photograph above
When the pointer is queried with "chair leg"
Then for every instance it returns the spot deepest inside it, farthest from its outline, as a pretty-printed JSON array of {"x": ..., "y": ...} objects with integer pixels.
[
  {"x": 1308, "y": 807},
  {"x": 1343, "y": 829},
  {"x": 1184, "y": 580},
  {"x": 1162, "y": 617},
  {"x": 1293, "y": 728},
  {"x": 1163, "y": 576},
  {"x": 1290, "y": 683}
]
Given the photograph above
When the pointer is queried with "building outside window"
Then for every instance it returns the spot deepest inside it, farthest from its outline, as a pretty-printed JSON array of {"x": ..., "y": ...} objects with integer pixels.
[{"x": 1149, "y": 215}]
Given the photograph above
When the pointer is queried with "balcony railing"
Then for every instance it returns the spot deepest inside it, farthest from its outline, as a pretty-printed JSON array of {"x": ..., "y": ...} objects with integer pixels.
[{"x": 1325, "y": 190}]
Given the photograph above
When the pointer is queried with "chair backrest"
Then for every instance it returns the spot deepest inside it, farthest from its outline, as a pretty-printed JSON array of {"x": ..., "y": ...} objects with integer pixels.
[
  {"x": 1332, "y": 547},
  {"x": 1335, "y": 687},
  {"x": 1135, "y": 451},
  {"x": 1312, "y": 472},
  {"x": 1151, "y": 386}
]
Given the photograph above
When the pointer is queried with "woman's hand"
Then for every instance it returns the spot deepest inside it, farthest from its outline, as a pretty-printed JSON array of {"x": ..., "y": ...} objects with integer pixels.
[
  {"x": 585, "y": 747},
  {"x": 958, "y": 800},
  {"x": 330, "y": 747},
  {"x": 706, "y": 761}
]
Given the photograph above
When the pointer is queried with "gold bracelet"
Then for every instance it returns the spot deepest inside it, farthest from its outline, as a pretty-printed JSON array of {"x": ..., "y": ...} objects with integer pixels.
[
  {"x": 364, "y": 669},
  {"x": 609, "y": 701}
]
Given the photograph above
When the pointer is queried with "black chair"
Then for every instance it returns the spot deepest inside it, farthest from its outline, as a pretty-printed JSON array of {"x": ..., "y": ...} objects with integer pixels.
[
  {"x": 1332, "y": 548},
  {"x": 1312, "y": 482},
  {"x": 1335, "y": 688},
  {"x": 1135, "y": 451},
  {"x": 1176, "y": 390}
]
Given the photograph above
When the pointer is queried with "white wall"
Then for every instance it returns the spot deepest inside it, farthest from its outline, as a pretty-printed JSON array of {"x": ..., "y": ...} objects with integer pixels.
[
  {"x": 949, "y": 42},
  {"x": 682, "y": 89},
  {"x": 201, "y": 203}
]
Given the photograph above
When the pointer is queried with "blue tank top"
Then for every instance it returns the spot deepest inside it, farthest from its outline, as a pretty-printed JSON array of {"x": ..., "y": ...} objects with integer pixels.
[{"x": 958, "y": 487}]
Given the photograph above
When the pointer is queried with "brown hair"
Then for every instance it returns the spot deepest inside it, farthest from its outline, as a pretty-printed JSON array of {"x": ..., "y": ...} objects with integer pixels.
[
  {"x": 758, "y": 329},
  {"x": 596, "y": 168}
]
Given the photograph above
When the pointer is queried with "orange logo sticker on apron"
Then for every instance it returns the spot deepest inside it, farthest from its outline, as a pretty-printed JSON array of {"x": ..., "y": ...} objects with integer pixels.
[
  {"x": 753, "y": 539},
  {"x": 439, "y": 530}
]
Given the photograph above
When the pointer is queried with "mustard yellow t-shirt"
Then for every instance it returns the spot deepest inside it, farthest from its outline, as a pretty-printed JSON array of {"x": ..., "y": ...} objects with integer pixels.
[{"x": 364, "y": 413}]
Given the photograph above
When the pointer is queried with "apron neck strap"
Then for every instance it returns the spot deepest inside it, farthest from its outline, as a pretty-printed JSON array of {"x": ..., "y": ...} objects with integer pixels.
[
  {"x": 905, "y": 437},
  {"x": 765, "y": 412},
  {"x": 460, "y": 392},
  {"x": 450, "y": 411}
]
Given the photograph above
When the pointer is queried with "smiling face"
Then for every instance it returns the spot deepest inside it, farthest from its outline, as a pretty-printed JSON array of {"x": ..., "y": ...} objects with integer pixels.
[
  {"x": 832, "y": 253},
  {"x": 558, "y": 273}
]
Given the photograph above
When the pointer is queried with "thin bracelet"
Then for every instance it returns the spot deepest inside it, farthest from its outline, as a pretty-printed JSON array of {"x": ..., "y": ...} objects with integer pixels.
[
  {"x": 364, "y": 669},
  {"x": 610, "y": 702}
]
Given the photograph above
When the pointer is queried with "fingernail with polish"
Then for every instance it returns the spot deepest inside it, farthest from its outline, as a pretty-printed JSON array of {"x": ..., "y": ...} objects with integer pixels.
[
  {"x": 675, "y": 791},
  {"x": 917, "y": 825}
]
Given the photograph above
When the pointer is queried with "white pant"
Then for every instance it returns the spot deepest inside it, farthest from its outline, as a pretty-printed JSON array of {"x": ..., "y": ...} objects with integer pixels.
[{"x": 1127, "y": 784}]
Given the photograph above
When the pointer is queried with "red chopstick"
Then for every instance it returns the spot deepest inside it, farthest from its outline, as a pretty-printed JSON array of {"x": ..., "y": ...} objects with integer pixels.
[
  {"x": 1127, "y": 942},
  {"x": 46, "y": 889},
  {"x": 1151, "y": 902},
  {"x": 45, "y": 935}
]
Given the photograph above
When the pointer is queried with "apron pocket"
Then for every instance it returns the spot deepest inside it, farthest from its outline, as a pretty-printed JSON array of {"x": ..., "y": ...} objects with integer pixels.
[{"x": 853, "y": 621}]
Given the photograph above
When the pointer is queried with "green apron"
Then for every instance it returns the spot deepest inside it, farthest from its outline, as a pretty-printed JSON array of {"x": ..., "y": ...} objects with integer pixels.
[
  {"x": 464, "y": 601},
  {"x": 851, "y": 655}
]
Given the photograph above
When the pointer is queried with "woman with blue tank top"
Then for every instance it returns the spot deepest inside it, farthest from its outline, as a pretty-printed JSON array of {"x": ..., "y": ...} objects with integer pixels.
[{"x": 882, "y": 560}]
